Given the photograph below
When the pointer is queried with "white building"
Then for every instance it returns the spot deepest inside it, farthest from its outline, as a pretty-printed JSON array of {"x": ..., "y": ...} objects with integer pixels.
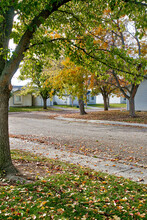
[
  {"x": 112, "y": 99},
  {"x": 140, "y": 97},
  {"x": 17, "y": 100}
]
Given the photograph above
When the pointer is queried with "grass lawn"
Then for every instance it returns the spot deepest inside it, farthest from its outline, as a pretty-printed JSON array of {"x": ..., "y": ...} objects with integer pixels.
[
  {"x": 112, "y": 105},
  {"x": 66, "y": 106},
  {"x": 30, "y": 109},
  {"x": 64, "y": 191}
]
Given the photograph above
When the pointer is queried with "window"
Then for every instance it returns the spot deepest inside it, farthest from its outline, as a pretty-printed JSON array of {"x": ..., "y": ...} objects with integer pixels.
[
  {"x": 92, "y": 98},
  {"x": 17, "y": 99}
]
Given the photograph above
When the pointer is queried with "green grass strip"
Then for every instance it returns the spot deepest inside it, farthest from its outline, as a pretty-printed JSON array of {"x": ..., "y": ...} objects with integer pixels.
[
  {"x": 31, "y": 109},
  {"x": 76, "y": 193}
]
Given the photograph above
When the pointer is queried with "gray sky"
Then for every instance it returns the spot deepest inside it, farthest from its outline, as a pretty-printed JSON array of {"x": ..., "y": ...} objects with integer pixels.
[{"x": 15, "y": 81}]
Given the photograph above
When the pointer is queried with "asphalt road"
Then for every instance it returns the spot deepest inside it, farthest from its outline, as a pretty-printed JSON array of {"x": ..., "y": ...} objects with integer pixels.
[{"x": 110, "y": 140}]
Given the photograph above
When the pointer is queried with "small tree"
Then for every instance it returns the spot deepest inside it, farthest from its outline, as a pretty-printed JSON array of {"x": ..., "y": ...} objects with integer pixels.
[
  {"x": 72, "y": 80},
  {"x": 34, "y": 69},
  {"x": 106, "y": 86}
]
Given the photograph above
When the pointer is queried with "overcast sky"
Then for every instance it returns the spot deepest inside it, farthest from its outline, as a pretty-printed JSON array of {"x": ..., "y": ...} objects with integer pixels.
[{"x": 15, "y": 81}]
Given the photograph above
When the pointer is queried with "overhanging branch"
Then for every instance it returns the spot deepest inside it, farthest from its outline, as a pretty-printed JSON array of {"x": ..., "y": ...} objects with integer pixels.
[
  {"x": 136, "y": 2},
  {"x": 13, "y": 64}
]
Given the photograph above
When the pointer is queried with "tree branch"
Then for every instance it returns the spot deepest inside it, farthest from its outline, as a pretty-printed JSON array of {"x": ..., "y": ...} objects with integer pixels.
[
  {"x": 136, "y": 2},
  {"x": 98, "y": 59},
  {"x": 9, "y": 16},
  {"x": 13, "y": 64},
  {"x": 119, "y": 86}
]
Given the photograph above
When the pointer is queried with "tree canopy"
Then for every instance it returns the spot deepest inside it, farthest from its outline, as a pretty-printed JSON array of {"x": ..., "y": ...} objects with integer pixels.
[
  {"x": 115, "y": 42},
  {"x": 34, "y": 69},
  {"x": 71, "y": 80}
]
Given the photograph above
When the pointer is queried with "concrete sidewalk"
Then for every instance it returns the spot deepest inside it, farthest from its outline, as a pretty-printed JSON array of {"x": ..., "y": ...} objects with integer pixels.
[
  {"x": 103, "y": 122},
  {"x": 138, "y": 174}
]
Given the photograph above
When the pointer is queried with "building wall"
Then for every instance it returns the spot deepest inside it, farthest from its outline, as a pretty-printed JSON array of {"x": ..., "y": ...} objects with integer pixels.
[
  {"x": 140, "y": 98},
  {"x": 91, "y": 99},
  {"x": 38, "y": 101},
  {"x": 20, "y": 101},
  {"x": 113, "y": 99},
  {"x": 75, "y": 102},
  {"x": 27, "y": 100},
  {"x": 123, "y": 100},
  {"x": 65, "y": 100}
]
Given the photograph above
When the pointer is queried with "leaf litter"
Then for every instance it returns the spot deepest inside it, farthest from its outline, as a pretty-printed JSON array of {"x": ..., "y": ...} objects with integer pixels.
[
  {"x": 64, "y": 191},
  {"x": 97, "y": 150}
]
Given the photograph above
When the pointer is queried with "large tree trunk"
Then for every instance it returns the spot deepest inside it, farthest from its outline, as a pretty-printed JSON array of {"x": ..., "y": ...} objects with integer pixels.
[
  {"x": 106, "y": 102},
  {"x": 6, "y": 165},
  {"x": 131, "y": 107},
  {"x": 72, "y": 101},
  {"x": 81, "y": 107},
  {"x": 132, "y": 100},
  {"x": 44, "y": 103}
]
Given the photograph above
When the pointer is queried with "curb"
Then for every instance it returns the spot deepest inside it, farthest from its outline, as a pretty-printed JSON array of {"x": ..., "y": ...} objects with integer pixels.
[{"x": 103, "y": 122}]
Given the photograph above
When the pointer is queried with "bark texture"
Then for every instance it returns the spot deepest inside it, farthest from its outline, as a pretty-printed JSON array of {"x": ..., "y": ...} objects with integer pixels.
[
  {"x": 131, "y": 107},
  {"x": 106, "y": 102},
  {"x": 81, "y": 107},
  {"x": 44, "y": 103},
  {"x": 9, "y": 66},
  {"x": 6, "y": 165},
  {"x": 130, "y": 94},
  {"x": 132, "y": 100}
]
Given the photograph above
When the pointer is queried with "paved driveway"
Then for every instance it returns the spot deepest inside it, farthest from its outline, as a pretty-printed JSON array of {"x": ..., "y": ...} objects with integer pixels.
[{"x": 110, "y": 141}]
